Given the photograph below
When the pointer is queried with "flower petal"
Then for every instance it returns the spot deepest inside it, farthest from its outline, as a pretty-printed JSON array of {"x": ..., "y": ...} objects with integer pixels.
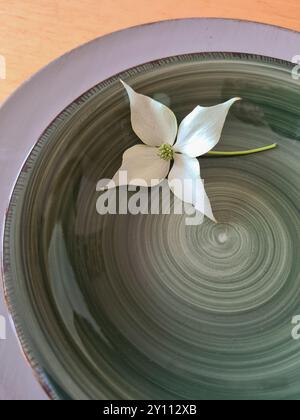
[
  {"x": 187, "y": 185},
  {"x": 141, "y": 166},
  {"x": 153, "y": 122},
  {"x": 201, "y": 130}
]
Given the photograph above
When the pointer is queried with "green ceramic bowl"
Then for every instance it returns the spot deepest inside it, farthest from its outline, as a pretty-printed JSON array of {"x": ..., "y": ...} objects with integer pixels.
[{"x": 145, "y": 307}]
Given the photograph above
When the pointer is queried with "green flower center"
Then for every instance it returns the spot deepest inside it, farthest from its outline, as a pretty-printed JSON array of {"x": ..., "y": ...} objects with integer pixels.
[{"x": 166, "y": 152}]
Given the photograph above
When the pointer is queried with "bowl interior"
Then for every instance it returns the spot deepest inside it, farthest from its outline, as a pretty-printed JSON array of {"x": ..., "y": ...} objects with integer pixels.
[{"x": 143, "y": 306}]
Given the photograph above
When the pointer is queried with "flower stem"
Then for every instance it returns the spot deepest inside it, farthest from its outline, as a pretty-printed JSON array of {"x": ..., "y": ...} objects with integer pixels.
[{"x": 244, "y": 152}]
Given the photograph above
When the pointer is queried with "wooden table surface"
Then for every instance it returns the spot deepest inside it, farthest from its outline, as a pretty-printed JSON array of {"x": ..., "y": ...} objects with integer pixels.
[{"x": 34, "y": 32}]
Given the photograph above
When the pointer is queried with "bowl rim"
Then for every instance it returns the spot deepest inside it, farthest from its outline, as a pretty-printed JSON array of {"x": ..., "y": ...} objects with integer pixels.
[{"x": 64, "y": 80}]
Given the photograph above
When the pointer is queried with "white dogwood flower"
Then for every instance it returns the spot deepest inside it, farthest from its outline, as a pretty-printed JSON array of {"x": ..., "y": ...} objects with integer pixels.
[{"x": 156, "y": 125}]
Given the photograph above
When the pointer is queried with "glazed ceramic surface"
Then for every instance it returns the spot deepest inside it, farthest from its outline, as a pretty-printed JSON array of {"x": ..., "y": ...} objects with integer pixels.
[{"x": 143, "y": 306}]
